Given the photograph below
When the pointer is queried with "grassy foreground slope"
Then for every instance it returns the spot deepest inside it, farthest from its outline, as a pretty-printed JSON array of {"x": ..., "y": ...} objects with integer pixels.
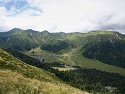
[{"x": 16, "y": 77}]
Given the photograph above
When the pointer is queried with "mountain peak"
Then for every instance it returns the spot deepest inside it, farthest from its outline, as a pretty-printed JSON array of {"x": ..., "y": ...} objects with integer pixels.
[
  {"x": 15, "y": 29},
  {"x": 31, "y": 30},
  {"x": 45, "y": 32}
]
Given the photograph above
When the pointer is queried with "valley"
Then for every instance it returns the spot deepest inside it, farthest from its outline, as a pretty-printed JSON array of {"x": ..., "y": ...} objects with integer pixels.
[
  {"x": 66, "y": 59},
  {"x": 74, "y": 57},
  {"x": 62, "y": 46},
  {"x": 17, "y": 77}
]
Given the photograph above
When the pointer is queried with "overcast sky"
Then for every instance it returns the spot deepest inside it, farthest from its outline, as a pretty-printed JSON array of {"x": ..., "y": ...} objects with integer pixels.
[{"x": 63, "y": 15}]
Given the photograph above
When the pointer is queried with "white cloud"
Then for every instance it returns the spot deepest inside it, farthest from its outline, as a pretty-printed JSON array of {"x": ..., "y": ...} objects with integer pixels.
[
  {"x": 68, "y": 15},
  {"x": 3, "y": 13}
]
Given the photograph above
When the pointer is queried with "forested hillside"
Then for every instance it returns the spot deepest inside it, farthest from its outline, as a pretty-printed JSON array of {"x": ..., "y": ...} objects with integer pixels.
[
  {"x": 97, "y": 54},
  {"x": 17, "y": 77},
  {"x": 105, "y": 46},
  {"x": 108, "y": 49},
  {"x": 91, "y": 80}
]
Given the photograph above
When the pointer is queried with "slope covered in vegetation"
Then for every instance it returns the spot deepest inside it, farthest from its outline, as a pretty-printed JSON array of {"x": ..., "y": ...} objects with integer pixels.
[
  {"x": 17, "y": 77},
  {"x": 107, "y": 48},
  {"x": 91, "y": 80},
  {"x": 103, "y": 50}
]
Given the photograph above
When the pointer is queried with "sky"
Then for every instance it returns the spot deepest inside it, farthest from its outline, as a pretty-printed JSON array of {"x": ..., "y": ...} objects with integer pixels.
[{"x": 63, "y": 15}]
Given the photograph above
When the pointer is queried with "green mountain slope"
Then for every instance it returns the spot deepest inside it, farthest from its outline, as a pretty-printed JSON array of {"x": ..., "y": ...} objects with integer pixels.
[
  {"x": 82, "y": 49},
  {"x": 24, "y": 40},
  {"x": 16, "y": 77},
  {"x": 18, "y": 39},
  {"x": 57, "y": 46},
  {"x": 81, "y": 77},
  {"x": 108, "y": 48}
]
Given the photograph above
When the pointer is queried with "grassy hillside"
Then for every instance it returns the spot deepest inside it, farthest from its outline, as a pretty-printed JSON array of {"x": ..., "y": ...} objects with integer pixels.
[
  {"x": 71, "y": 48},
  {"x": 107, "y": 48},
  {"x": 79, "y": 77},
  {"x": 24, "y": 40},
  {"x": 74, "y": 57},
  {"x": 16, "y": 77}
]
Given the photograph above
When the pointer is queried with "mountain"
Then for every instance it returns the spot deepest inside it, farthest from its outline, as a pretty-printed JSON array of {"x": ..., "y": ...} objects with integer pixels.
[
  {"x": 24, "y": 40},
  {"x": 106, "y": 47},
  {"x": 80, "y": 77},
  {"x": 18, "y": 39},
  {"x": 82, "y": 49},
  {"x": 97, "y": 54},
  {"x": 17, "y": 77},
  {"x": 11, "y": 32}
]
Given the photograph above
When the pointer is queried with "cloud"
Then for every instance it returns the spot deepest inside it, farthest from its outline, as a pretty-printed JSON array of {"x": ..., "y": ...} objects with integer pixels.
[{"x": 65, "y": 15}]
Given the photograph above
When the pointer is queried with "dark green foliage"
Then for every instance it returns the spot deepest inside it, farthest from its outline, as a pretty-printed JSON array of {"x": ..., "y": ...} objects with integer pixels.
[
  {"x": 21, "y": 40},
  {"x": 7, "y": 61},
  {"x": 60, "y": 45},
  {"x": 107, "y": 52},
  {"x": 56, "y": 64},
  {"x": 27, "y": 59},
  {"x": 107, "y": 47},
  {"x": 93, "y": 80},
  {"x": 31, "y": 61}
]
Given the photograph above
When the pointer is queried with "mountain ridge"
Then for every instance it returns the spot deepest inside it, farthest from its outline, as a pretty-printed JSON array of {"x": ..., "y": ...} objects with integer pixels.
[
  {"x": 26, "y": 40},
  {"x": 101, "y": 50}
]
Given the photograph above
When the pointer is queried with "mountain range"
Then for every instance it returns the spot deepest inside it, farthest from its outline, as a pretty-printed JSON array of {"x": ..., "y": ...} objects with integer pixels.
[
  {"x": 97, "y": 49},
  {"x": 106, "y": 46}
]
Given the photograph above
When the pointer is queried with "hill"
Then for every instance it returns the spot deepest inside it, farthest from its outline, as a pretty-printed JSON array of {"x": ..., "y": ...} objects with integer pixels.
[
  {"x": 17, "y": 77},
  {"x": 77, "y": 76},
  {"x": 24, "y": 40},
  {"x": 107, "y": 47},
  {"x": 103, "y": 50}
]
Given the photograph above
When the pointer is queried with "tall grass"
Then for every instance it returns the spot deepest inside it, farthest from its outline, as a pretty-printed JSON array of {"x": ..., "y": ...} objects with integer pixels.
[
  {"x": 17, "y": 77},
  {"x": 15, "y": 83}
]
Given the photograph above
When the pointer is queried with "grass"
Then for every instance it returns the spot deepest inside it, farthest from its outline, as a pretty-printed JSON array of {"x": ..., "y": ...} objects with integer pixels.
[
  {"x": 78, "y": 59},
  {"x": 17, "y": 77},
  {"x": 90, "y": 63},
  {"x": 74, "y": 57},
  {"x": 64, "y": 69},
  {"x": 12, "y": 63},
  {"x": 14, "y": 83}
]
